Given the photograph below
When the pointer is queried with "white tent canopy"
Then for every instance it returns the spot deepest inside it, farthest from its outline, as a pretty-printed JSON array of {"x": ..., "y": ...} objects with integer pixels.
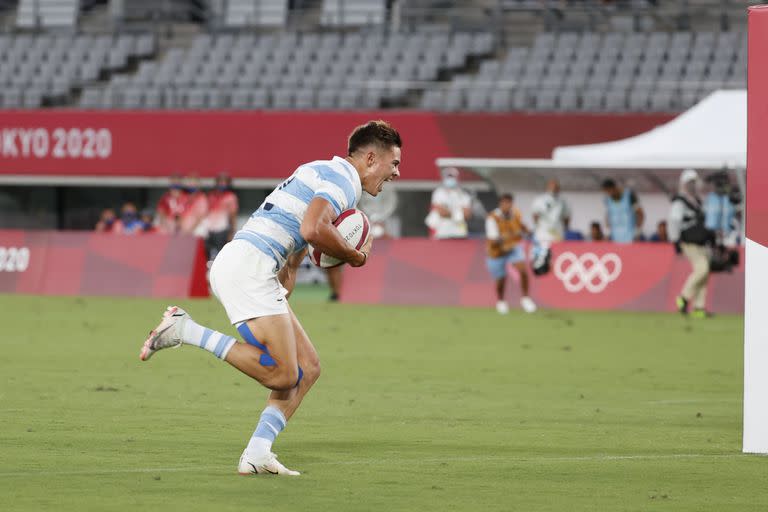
[
  {"x": 712, "y": 135},
  {"x": 713, "y": 132}
]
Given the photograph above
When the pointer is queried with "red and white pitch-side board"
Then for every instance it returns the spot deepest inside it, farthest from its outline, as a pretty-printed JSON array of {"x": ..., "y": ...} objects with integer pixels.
[
  {"x": 756, "y": 293},
  {"x": 584, "y": 275},
  {"x": 87, "y": 263}
]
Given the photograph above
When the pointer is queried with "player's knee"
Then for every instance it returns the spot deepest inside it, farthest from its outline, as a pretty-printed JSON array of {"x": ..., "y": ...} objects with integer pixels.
[
  {"x": 284, "y": 379},
  {"x": 311, "y": 370}
]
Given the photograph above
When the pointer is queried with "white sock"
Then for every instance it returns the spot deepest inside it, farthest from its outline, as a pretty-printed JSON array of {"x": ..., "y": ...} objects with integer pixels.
[
  {"x": 215, "y": 342},
  {"x": 271, "y": 423},
  {"x": 258, "y": 447}
]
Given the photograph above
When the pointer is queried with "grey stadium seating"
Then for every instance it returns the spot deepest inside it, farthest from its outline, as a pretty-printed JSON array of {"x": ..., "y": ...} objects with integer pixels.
[
  {"x": 294, "y": 71},
  {"x": 45, "y": 69},
  {"x": 612, "y": 72}
]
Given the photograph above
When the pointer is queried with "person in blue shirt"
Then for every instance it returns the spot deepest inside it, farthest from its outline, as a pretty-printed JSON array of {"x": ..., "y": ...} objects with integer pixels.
[
  {"x": 129, "y": 222},
  {"x": 719, "y": 211},
  {"x": 623, "y": 214}
]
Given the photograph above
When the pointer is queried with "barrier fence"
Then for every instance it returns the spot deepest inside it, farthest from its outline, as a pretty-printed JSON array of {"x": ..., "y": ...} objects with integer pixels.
[
  {"x": 74, "y": 263},
  {"x": 584, "y": 275}
]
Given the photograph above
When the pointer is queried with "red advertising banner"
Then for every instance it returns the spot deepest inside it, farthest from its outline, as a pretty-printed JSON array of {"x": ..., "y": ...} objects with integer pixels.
[
  {"x": 72, "y": 263},
  {"x": 584, "y": 275},
  {"x": 757, "y": 128},
  {"x": 271, "y": 145}
]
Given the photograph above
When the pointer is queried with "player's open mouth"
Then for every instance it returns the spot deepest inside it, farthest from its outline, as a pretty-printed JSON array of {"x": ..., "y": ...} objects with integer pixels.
[{"x": 386, "y": 180}]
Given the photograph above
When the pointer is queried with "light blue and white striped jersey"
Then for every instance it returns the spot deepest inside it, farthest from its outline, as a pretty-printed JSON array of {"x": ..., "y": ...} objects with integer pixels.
[{"x": 274, "y": 227}]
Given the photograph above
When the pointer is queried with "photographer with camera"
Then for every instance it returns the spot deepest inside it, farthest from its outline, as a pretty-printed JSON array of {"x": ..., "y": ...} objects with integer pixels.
[{"x": 687, "y": 229}]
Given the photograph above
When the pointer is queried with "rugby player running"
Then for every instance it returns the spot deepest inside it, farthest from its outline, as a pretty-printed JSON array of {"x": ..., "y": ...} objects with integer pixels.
[{"x": 254, "y": 274}]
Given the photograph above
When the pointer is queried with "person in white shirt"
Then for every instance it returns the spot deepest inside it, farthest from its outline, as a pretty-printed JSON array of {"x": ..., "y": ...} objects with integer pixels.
[
  {"x": 551, "y": 215},
  {"x": 451, "y": 208}
]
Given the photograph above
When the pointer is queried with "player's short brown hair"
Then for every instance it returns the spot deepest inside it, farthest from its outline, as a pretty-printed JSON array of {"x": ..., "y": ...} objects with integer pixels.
[{"x": 380, "y": 133}]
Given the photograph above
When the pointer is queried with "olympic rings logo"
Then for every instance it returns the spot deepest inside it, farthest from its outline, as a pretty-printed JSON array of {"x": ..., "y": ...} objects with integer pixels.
[{"x": 588, "y": 271}]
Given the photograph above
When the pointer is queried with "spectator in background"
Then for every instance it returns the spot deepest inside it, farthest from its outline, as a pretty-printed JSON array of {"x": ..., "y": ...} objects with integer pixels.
[
  {"x": 623, "y": 213},
  {"x": 573, "y": 235},
  {"x": 171, "y": 206},
  {"x": 147, "y": 221},
  {"x": 504, "y": 230},
  {"x": 719, "y": 210},
  {"x": 596, "y": 232},
  {"x": 195, "y": 209},
  {"x": 221, "y": 220},
  {"x": 451, "y": 208},
  {"x": 691, "y": 237},
  {"x": 551, "y": 215},
  {"x": 106, "y": 221},
  {"x": 128, "y": 223},
  {"x": 661, "y": 233}
]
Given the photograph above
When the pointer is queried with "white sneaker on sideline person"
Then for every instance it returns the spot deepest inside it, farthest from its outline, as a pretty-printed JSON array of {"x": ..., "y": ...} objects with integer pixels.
[
  {"x": 528, "y": 305},
  {"x": 265, "y": 465},
  {"x": 502, "y": 307}
]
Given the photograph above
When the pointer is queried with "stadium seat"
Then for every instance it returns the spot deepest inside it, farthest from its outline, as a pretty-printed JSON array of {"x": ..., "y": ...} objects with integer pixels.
[
  {"x": 255, "y": 13},
  {"x": 60, "y": 14},
  {"x": 352, "y": 12}
]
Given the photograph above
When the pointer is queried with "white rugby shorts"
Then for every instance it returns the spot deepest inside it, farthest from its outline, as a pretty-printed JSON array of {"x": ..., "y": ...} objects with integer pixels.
[{"x": 244, "y": 279}]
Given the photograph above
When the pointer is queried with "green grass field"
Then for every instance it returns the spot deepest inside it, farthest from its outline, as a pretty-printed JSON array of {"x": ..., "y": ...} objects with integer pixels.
[{"x": 417, "y": 409}]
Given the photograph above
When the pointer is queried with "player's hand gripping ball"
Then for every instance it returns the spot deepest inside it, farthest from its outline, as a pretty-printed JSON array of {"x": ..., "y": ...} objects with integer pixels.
[{"x": 354, "y": 227}]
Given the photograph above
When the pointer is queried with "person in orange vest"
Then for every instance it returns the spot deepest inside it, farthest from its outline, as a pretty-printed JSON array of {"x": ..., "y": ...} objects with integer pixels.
[{"x": 504, "y": 231}]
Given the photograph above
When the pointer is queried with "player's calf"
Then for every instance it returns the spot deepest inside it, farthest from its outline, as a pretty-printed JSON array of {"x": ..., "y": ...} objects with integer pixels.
[
  {"x": 177, "y": 327},
  {"x": 254, "y": 359}
]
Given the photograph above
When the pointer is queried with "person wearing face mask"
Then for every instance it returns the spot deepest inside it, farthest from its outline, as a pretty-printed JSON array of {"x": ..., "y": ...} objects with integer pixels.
[
  {"x": 451, "y": 208},
  {"x": 171, "y": 206},
  {"x": 221, "y": 219},
  {"x": 623, "y": 214},
  {"x": 147, "y": 221},
  {"x": 719, "y": 210},
  {"x": 106, "y": 221},
  {"x": 191, "y": 220},
  {"x": 129, "y": 222},
  {"x": 687, "y": 229},
  {"x": 551, "y": 215}
]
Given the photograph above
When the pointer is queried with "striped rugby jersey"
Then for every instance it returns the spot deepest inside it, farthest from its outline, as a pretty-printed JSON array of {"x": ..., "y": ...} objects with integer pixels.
[{"x": 274, "y": 227}]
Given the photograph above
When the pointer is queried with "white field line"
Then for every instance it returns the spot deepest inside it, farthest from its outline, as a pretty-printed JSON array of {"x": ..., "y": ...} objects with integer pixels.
[
  {"x": 692, "y": 401},
  {"x": 376, "y": 462}
]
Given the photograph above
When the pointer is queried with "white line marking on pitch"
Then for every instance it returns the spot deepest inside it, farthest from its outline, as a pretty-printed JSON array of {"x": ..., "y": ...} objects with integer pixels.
[
  {"x": 695, "y": 401},
  {"x": 374, "y": 462}
]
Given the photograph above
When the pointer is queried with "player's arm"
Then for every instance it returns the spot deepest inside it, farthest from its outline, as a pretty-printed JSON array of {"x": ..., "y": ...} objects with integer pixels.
[
  {"x": 287, "y": 274},
  {"x": 318, "y": 230}
]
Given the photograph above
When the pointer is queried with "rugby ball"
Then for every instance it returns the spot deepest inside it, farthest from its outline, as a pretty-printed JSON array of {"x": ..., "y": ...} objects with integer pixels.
[{"x": 354, "y": 227}]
